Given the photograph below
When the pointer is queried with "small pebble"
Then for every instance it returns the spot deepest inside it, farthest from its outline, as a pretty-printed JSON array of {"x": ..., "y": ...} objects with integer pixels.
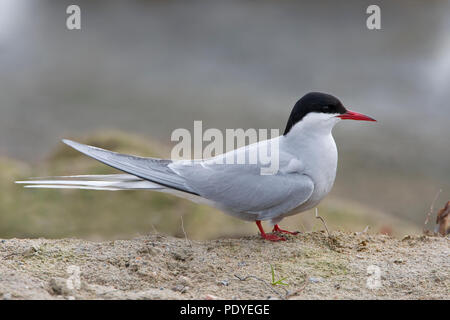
[
  {"x": 59, "y": 287},
  {"x": 32, "y": 250},
  {"x": 7, "y": 296},
  {"x": 185, "y": 281},
  {"x": 180, "y": 288},
  {"x": 316, "y": 280},
  {"x": 224, "y": 283}
]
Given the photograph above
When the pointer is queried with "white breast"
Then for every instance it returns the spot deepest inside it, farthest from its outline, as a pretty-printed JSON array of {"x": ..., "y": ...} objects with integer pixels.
[
  {"x": 316, "y": 150},
  {"x": 321, "y": 166}
]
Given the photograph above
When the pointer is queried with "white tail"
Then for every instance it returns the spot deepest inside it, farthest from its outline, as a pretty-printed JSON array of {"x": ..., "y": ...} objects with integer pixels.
[{"x": 110, "y": 182}]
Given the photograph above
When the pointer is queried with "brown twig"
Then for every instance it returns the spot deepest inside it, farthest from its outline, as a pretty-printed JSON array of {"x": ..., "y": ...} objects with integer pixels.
[
  {"x": 443, "y": 220},
  {"x": 296, "y": 292},
  {"x": 267, "y": 285},
  {"x": 364, "y": 231},
  {"x": 431, "y": 209},
  {"x": 323, "y": 221},
  {"x": 185, "y": 235}
]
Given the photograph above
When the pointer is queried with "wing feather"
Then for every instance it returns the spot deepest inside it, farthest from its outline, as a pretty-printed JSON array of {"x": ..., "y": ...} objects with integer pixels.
[
  {"x": 241, "y": 189},
  {"x": 151, "y": 169}
]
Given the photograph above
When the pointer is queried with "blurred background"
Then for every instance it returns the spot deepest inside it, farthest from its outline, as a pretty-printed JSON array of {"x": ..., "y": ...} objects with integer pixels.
[{"x": 137, "y": 70}]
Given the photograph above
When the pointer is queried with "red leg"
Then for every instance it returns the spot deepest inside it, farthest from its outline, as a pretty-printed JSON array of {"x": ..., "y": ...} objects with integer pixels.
[
  {"x": 276, "y": 228},
  {"x": 271, "y": 237}
]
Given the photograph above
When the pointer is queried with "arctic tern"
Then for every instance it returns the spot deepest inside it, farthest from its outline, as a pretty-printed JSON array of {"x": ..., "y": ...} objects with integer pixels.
[{"x": 307, "y": 170}]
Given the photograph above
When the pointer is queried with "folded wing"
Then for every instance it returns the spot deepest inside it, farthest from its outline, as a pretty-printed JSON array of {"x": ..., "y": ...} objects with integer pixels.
[{"x": 240, "y": 188}]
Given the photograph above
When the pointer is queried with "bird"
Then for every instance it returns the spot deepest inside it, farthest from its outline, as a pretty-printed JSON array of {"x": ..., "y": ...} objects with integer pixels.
[{"x": 307, "y": 165}]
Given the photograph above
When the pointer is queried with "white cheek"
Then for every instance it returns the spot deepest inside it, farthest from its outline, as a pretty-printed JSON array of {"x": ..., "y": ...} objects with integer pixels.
[
  {"x": 315, "y": 117},
  {"x": 335, "y": 118}
]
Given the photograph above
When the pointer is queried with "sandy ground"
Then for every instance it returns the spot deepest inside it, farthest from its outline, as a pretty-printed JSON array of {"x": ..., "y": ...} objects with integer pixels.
[{"x": 315, "y": 266}]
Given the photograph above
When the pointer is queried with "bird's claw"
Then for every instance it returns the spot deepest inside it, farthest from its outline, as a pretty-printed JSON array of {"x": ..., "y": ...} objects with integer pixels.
[
  {"x": 276, "y": 228},
  {"x": 270, "y": 237},
  {"x": 273, "y": 237}
]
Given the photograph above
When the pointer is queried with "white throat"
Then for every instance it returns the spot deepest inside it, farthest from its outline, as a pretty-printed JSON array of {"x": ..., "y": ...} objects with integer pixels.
[
  {"x": 313, "y": 127},
  {"x": 311, "y": 141}
]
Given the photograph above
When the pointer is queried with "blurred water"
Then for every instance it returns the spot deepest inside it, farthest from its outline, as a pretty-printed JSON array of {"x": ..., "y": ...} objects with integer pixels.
[{"x": 153, "y": 66}]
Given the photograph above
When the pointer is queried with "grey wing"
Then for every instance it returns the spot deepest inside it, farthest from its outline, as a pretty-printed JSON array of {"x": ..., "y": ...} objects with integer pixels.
[
  {"x": 241, "y": 188},
  {"x": 151, "y": 169}
]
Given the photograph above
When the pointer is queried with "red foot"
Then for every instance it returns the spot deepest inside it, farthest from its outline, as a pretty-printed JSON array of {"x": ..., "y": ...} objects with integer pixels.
[
  {"x": 276, "y": 228},
  {"x": 271, "y": 237}
]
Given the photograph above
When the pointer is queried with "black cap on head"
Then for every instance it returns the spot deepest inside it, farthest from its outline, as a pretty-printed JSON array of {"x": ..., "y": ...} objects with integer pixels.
[{"x": 314, "y": 102}]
